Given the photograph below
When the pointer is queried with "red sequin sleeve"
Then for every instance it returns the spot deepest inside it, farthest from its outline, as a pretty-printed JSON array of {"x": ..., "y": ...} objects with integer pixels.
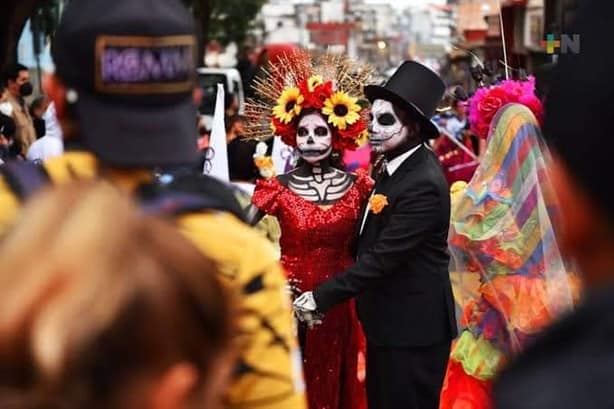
[
  {"x": 364, "y": 183},
  {"x": 266, "y": 195}
]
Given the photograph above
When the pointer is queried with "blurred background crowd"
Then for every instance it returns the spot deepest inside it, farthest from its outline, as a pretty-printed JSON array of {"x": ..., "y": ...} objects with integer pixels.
[{"x": 240, "y": 37}]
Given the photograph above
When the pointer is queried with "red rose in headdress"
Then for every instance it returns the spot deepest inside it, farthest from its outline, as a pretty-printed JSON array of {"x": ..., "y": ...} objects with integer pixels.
[
  {"x": 315, "y": 92},
  {"x": 348, "y": 138},
  {"x": 287, "y": 132},
  {"x": 535, "y": 105},
  {"x": 487, "y": 101},
  {"x": 491, "y": 103}
]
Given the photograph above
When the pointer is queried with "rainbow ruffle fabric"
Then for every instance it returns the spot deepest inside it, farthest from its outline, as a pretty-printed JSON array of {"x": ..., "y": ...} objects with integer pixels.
[{"x": 501, "y": 230}]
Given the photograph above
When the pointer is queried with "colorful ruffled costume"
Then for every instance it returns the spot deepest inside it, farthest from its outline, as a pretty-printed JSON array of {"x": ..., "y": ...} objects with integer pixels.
[{"x": 504, "y": 249}]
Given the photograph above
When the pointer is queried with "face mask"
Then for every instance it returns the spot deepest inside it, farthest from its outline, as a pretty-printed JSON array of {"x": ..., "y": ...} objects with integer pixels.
[
  {"x": 386, "y": 131},
  {"x": 26, "y": 89},
  {"x": 39, "y": 127},
  {"x": 313, "y": 139}
]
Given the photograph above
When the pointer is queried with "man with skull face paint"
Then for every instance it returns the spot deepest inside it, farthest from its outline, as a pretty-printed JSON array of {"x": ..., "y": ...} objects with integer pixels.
[
  {"x": 318, "y": 205},
  {"x": 400, "y": 279}
]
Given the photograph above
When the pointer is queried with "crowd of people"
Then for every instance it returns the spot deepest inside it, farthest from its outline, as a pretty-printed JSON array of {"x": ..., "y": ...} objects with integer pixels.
[
  {"x": 410, "y": 258},
  {"x": 27, "y": 131}
]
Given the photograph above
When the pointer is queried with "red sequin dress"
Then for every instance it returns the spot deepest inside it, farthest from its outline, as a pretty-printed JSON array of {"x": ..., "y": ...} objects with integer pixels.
[{"x": 315, "y": 245}]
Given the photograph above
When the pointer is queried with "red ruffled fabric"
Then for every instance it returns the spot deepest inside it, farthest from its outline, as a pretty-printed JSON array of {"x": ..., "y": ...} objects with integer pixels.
[
  {"x": 315, "y": 99},
  {"x": 462, "y": 391},
  {"x": 347, "y": 139},
  {"x": 287, "y": 132}
]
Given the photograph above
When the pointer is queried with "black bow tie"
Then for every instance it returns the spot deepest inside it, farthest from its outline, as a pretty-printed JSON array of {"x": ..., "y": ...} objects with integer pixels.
[
  {"x": 379, "y": 168},
  {"x": 381, "y": 172}
]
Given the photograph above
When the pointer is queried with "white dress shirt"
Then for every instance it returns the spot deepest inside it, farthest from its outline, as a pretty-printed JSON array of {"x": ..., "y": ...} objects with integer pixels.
[
  {"x": 50, "y": 145},
  {"x": 391, "y": 168},
  {"x": 52, "y": 125},
  {"x": 45, "y": 148}
]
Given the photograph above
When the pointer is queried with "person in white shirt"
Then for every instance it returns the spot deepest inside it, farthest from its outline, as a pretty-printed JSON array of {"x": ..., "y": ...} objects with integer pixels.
[{"x": 51, "y": 144}]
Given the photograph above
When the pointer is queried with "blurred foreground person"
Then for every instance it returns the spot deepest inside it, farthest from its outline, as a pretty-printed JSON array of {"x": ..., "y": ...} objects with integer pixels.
[
  {"x": 147, "y": 325},
  {"x": 570, "y": 366},
  {"x": 124, "y": 93}
]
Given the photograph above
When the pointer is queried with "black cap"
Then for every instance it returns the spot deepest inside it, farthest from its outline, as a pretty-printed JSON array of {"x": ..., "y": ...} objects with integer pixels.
[
  {"x": 130, "y": 67},
  {"x": 416, "y": 89},
  {"x": 580, "y": 103}
]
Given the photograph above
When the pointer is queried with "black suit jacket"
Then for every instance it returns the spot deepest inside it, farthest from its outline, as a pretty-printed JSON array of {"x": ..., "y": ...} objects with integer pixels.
[{"x": 401, "y": 280}]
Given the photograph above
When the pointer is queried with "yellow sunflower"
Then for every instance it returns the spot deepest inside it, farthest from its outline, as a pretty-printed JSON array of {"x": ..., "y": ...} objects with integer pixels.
[
  {"x": 289, "y": 105},
  {"x": 342, "y": 110},
  {"x": 314, "y": 81},
  {"x": 363, "y": 138}
]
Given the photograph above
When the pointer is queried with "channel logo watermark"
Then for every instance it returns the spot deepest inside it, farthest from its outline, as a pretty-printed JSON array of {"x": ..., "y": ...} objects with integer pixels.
[{"x": 566, "y": 44}]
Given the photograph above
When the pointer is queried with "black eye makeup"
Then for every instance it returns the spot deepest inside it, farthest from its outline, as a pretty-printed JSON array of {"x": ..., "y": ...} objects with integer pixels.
[
  {"x": 321, "y": 131},
  {"x": 386, "y": 119},
  {"x": 302, "y": 131}
]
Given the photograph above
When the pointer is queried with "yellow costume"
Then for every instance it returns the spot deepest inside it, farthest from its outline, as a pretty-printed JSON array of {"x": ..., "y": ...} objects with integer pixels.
[{"x": 269, "y": 373}]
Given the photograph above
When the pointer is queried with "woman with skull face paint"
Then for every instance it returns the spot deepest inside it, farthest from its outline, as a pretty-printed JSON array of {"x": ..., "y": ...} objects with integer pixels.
[{"x": 318, "y": 206}]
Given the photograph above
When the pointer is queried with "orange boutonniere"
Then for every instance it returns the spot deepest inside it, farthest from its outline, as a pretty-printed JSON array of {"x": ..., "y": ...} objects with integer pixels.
[{"x": 377, "y": 203}]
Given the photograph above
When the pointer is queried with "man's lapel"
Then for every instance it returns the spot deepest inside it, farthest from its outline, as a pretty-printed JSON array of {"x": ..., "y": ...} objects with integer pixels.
[
  {"x": 381, "y": 187},
  {"x": 361, "y": 216},
  {"x": 377, "y": 189}
]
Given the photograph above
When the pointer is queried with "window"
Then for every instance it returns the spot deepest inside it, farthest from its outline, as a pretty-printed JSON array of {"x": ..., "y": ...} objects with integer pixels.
[{"x": 208, "y": 83}]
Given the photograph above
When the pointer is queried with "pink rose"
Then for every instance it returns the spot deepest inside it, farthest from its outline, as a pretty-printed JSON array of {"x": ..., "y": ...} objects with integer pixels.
[{"x": 491, "y": 103}]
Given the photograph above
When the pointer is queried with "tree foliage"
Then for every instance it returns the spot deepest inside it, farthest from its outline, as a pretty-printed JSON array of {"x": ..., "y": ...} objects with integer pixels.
[
  {"x": 44, "y": 16},
  {"x": 13, "y": 18},
  {"x": 225, "y": 20},
  {"x": 221, "y": 20}
]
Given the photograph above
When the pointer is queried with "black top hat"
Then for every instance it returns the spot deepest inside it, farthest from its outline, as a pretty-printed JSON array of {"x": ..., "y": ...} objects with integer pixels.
[{"x": 416, "y": 89}]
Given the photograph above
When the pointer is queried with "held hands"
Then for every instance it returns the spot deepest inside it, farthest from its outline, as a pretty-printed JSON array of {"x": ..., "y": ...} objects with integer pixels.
[{"x": 305, "y": 309}]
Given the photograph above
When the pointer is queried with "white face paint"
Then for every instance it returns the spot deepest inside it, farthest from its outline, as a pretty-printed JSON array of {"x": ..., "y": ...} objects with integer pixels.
[
  {"x": 386, "y": 131},
  {"x": 313, "y": 138}
]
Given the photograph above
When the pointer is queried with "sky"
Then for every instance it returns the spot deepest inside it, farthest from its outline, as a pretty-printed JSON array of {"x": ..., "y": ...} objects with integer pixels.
[{"x": 401, "y": 4}]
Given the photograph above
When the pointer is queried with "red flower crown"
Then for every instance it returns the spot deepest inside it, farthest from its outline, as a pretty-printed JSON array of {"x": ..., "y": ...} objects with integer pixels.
[
  {"x": 340, "y": 110},
  {"x": 484, "y": 105}
]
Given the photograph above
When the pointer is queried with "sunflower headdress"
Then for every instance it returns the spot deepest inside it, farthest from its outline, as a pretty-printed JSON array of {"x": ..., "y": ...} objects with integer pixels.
[{"x": 330, "y": 85}]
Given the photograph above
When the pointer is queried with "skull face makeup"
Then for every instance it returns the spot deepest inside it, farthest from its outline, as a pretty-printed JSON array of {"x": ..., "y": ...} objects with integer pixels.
[
  {"x": 314, "y": 140},
  {"x": 386, "y": 130}
]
